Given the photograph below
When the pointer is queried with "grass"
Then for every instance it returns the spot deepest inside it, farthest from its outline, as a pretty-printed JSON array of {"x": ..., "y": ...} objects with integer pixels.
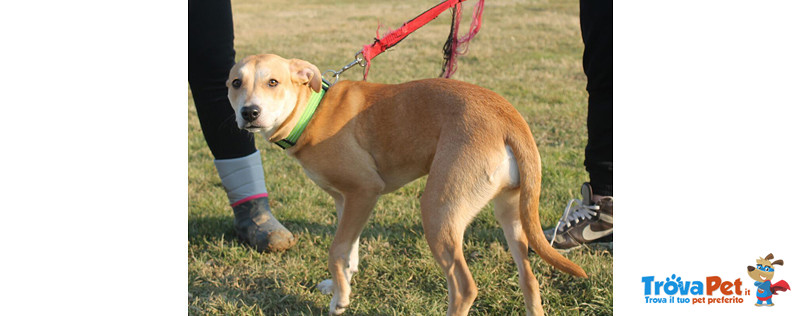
[{"x": 527, "y": 51}]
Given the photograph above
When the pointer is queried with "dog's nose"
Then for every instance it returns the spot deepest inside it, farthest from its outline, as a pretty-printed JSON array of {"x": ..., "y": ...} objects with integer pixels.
[
  {"x": 250, "y": 113},
  {"x": 750, "y": 268}
]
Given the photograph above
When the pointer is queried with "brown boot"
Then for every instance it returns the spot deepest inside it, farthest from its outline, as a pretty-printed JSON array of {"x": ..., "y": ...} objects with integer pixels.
[{"x": 255, "y": 225}]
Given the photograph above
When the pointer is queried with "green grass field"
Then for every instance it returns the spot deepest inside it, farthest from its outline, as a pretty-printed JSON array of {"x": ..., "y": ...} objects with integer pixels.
[{"x": 527, "y": 51}]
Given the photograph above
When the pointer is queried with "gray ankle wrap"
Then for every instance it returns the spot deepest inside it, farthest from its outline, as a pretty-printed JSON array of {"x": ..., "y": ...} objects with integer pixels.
[{"x": 242, "y": 177}]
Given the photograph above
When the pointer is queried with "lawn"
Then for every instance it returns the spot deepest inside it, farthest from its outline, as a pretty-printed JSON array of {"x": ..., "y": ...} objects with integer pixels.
[{"x": 527, "y": 51}]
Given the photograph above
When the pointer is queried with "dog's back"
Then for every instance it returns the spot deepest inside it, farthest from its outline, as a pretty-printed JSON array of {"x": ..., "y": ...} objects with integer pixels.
[{"x": 401, "y": 124}]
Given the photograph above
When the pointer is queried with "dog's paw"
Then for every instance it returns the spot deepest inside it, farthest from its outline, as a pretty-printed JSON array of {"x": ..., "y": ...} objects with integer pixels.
[
  {"x": 326, "y": 287},
  {"x": 337, "y": 311},
  {"x": 338, "y": 306}
]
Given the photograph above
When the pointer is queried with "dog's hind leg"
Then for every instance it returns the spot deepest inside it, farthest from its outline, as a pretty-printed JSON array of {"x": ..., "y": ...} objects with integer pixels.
[
  {"x": 456, "y": 190},
  {"x": 445, "y": 240},
  {"x": 506, "y": 210}
]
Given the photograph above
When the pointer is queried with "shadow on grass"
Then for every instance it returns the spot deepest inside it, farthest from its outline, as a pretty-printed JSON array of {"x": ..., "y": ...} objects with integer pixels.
[
  {"x": 266, "y": 293},
  {"x": 260, "y": 297},
  {"x": 208, "y": 227}
]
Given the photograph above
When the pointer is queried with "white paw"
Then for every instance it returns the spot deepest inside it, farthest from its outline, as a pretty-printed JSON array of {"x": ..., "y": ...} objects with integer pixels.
[
  {"x": 338, "y": 306},
  {"x": 326, "y": 287}
]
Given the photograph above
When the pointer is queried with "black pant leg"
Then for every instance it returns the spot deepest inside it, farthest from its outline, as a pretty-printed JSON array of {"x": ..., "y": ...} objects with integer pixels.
[
  {"x": 597, "y": 31},
  {"x": 211, "y": 56}
]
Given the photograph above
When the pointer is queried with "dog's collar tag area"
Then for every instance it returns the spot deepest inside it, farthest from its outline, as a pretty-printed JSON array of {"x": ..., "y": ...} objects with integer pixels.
[{"x": 311, "y": 107}]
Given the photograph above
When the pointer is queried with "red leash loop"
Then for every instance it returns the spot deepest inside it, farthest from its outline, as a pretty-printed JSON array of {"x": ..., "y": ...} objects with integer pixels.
[
  {"x": 393, "y": 37},
  {"x": 455, "y": 45}
]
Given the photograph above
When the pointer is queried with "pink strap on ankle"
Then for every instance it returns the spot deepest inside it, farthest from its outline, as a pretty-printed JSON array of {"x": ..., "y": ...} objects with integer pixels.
[{"x": 252, "y": 197}]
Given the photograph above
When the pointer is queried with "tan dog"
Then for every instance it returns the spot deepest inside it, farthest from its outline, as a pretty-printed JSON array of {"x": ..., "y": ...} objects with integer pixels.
[{"x": 367, "y": 139}]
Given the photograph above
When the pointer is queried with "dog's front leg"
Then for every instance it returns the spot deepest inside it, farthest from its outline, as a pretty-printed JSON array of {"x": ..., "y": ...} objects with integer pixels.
[
  {"x": 326, "y": 286},
  {"x": 343, "y": 255}
]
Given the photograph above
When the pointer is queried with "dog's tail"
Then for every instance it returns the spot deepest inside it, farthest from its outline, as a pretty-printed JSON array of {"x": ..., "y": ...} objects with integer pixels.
[{"x": 529, "y": 163}]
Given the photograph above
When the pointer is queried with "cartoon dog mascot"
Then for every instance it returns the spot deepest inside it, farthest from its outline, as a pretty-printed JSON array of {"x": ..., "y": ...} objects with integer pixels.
[{"x": 763, "y": 273}]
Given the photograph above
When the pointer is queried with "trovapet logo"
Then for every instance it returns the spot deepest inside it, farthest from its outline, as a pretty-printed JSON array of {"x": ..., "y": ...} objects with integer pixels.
[
  {"x": 715, "y": 289},
  {"x": 675, "y": 290}
]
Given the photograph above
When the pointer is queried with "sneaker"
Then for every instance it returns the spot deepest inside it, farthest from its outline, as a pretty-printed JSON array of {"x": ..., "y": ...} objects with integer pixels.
[
  {"x": 584, "y": 222},
  {"x": 255, "y": 225}
]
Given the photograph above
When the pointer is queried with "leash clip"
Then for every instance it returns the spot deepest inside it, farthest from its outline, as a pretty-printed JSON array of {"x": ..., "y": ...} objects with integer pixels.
[{"x": 359, "y": 60}]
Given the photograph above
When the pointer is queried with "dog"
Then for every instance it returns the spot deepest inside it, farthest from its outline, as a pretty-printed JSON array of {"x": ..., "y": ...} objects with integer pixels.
[
  {"x": 763, "y": 274},
  {"x": 367, "y": 139}
]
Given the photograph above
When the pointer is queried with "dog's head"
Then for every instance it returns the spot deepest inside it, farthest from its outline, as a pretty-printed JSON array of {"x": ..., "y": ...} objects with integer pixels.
[
  {"x": 264, "y": 90},
  {"x": 764, "y": 269}
]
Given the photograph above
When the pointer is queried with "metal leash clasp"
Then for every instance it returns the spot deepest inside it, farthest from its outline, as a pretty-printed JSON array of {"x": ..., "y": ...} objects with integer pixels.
[{"x": 359, "y": 60}]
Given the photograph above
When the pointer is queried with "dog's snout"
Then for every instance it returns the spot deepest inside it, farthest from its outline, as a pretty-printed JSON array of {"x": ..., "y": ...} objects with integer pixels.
[
  {"x": 250, "y": 113},
  {"x": 750, "y": 268}
]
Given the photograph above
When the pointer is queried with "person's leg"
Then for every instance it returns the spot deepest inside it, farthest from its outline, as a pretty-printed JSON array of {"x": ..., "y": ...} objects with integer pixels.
[
  {"x": 211, "y": 55},
  {"x": 596, "y": 29},
  {"x": 591, "y": 219}
]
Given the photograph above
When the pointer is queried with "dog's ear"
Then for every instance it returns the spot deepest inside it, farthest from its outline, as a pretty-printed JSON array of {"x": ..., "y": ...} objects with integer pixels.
[
  {"x": 769, "y": 256},
  {"x": 778, "y": 262},
  {"x": 304, "y": 72}
]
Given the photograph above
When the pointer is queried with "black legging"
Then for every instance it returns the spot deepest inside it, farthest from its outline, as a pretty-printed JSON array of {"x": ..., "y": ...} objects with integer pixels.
[
  {"x": 211, "y": 56},
  {"x": 596, "y": 29}
]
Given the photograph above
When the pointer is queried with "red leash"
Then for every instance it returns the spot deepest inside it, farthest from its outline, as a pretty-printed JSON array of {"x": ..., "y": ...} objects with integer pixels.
[{"x": 452, "y": 46}]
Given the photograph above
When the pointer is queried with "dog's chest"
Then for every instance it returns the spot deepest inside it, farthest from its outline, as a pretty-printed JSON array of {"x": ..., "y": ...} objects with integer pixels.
[{"x": 318, "y": 179}]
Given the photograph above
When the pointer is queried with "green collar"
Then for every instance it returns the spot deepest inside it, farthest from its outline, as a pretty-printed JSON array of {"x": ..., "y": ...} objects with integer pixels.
[{"x": 311, "y": 107}]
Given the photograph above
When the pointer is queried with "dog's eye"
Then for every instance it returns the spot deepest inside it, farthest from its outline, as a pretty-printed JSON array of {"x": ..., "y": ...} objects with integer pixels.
[
  {"x": 272, "y": 82},
  {"x": 236, "y": 83}
]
